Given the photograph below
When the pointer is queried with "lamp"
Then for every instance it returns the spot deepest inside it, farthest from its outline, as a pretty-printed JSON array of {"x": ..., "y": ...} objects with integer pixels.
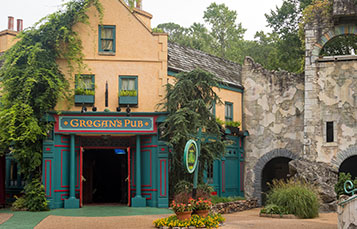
[
  {"x": 84, "y": 109},
  {"x": 94, "y": 108},
  {"x": 118, "y": 109},
  {"x": 128, "y": 111}
]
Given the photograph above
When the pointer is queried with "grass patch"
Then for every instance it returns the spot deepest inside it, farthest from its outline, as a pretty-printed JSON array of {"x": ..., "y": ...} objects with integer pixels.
[
  {"x": 218, "y": 199},
  {"x": 294, "y": 197}
]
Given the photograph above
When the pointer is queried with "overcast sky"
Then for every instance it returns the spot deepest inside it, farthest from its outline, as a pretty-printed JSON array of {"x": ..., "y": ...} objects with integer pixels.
[{"x": 182, "y": 12}]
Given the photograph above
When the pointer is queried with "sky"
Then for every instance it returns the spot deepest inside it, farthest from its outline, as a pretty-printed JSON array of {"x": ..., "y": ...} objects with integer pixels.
[{"x": 182, "y": 12}]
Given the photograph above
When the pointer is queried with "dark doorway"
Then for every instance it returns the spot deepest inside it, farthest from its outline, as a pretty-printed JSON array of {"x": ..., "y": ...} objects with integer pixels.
[
  {"x": 349, "y": 166},
  {"x": 105, "y": 172},
  {"x": 277, "y": 168}
]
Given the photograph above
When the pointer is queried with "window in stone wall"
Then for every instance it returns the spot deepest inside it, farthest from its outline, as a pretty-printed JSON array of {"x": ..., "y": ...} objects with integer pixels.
[
  {"x": 329, "y": 132},
  {"x": 340, "y": 46}
]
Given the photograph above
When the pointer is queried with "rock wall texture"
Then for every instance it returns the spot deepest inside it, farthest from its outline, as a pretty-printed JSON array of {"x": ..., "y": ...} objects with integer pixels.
[
  {"x": 347, "y": 213},
  {"x": 235, "y": 206},
  {"x": 273, "y": 114}
]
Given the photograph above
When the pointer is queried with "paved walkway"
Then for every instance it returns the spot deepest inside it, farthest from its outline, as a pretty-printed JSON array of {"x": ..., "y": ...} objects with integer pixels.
[{"x": 108, "y": 217}]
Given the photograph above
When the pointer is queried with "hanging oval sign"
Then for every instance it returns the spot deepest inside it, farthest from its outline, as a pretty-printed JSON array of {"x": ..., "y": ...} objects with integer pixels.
[{"x": 191, "y": 156}]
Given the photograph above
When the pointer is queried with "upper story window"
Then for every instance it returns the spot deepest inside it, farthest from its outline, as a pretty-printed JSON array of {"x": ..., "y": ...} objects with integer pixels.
[
  {"x": 128, "y": 90},
  {"x": 329, "y": 132},
  {"x": 228, "y": 111},
  {"x": 107, "y": 38}
]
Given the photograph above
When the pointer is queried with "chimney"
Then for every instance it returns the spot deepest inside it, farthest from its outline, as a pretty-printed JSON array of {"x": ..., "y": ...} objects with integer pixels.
[
  {"x": 139, "y": 4},
  {"x": 20, "y": 25},
  {"x": 10, "y": 24}
]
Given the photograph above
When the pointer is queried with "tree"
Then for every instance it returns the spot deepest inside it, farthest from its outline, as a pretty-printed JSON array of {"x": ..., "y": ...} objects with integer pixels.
[
  {"x": 188, "y": 103},
  {"x": 224, "y": 30},
  {"x": 285, "y": 23}
]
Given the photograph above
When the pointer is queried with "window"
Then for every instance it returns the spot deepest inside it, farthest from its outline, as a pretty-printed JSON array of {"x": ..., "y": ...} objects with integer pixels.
[
  {"x": 84, "y": 89},
  {"x": 128, "y": 90},
  {"x": 213, "y": 108},
  {"x": 84, "y": 85},
  {"x": 107, "y": 38},
  {"x": 228, "y": 111},
  {"x": 210, "y": 174},
  {"x": 329, "y": 132}
]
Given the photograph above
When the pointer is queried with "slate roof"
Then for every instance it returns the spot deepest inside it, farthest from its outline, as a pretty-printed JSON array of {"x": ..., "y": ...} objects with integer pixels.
[{"x": 183, "y": 59}]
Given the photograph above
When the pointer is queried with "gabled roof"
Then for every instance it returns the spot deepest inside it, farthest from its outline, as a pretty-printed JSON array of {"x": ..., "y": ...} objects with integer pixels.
[{"x": 183, "y": 59}]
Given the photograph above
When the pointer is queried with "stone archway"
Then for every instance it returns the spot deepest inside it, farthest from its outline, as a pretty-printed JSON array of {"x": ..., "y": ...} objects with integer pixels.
[
  {"x": 342, "y": 158},
  {"x": 336, "y": 31},
  {"x": 343, "y": 155},
  {"x": 259, "y": 166}
]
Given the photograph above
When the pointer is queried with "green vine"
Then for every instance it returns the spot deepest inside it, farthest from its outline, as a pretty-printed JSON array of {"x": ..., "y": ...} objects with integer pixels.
[{"x": 32, "y": 82}]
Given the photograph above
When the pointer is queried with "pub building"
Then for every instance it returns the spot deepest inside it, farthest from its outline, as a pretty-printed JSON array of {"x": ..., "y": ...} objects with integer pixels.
[{"x": 105, "y": 146}]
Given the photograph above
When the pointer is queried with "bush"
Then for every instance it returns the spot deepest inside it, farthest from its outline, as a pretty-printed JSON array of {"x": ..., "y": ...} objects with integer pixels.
[
  {"x": 274, "y": 209},
  {"x": 339, "y": 187},
  {"x": 34, "y": 198},
  {"x": 296, "y": 197},
  {"x": 203, "y": 190},
  {"x": 211, "y": 221}
]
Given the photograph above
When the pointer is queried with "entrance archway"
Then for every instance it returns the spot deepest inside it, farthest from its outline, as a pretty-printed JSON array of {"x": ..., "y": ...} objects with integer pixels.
[
  {"x": 277, "y": 168},
  {"x": 259, "y": 166},
  {"x": 349, "y": 166}
]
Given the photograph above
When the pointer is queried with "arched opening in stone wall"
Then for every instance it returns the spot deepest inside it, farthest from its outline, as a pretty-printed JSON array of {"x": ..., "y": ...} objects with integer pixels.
[
  {"x": 277, "y": 168},
  {"x": 345, "y": 44},
  {"x": 349, "y": 165}
]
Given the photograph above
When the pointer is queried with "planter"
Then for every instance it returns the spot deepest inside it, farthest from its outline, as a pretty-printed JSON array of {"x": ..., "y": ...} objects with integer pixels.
[
  {"x": 86, "y": 99},
  {"x": 125, "y": 100},
  {"x": 233, "y": 130},
  {"x": 183, "y": 215},
  {"x": 203, "y": 213}
]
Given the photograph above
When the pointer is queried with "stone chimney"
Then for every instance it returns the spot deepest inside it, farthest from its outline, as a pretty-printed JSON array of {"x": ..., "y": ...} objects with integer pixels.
[
  {"x": 20, "y": 25},
  {"x": 10, "y": 25}
]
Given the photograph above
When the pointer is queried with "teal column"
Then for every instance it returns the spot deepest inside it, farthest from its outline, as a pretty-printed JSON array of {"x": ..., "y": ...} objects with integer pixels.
[
  {"x": 138, "y": 200},
  {"x": 72, "y": 202},
  {"x": 8, "y": 166}
]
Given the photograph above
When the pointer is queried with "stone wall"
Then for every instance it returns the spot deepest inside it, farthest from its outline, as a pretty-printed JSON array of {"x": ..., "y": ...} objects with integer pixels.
[
  {"x": 347, "y": 213},
  {"x": 330, "y": 96},
  {"x": 235, "y": 206},
  {"x": 273, "y": 104}
]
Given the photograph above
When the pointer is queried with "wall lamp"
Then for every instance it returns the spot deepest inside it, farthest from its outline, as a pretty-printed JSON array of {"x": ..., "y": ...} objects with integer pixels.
[
  {"x": 118, "y": 109},
  {"x": 128, "y": 111},
  {"x": 84, "y": 109}
]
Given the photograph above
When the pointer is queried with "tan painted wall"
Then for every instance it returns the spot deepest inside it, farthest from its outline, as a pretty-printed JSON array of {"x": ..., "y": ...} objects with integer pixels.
[
  {"x": 225, "y": 96},
  {"x": 139, "y": 52},
  {"x": 7, "y": 39}
]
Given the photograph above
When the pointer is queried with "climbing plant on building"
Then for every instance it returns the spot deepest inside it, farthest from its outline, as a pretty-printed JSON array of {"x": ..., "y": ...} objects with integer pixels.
[
  {"x": 32, "y": 84},
  {"x": 188, "y": 103}
]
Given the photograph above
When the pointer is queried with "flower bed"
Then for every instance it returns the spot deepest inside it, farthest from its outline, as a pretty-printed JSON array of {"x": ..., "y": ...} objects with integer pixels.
[{"x": 211, "y": 221}]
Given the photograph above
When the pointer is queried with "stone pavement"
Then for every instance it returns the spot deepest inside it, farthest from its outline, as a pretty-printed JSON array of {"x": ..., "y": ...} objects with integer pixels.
[{"x": 239, "y": 220}]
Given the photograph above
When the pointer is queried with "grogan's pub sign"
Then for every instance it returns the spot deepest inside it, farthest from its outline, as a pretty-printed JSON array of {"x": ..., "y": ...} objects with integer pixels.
[{"x": 105, "y": 123}]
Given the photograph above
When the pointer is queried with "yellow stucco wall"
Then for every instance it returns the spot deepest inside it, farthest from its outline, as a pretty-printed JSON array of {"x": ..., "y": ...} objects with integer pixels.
[
  {"x": 225, "y": 96},
  {"x": 139, "y": 52},
  {"x": 7, "y": 39}
]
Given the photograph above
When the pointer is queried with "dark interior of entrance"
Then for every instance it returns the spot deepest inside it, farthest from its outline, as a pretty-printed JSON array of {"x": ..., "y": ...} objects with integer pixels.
[
  {"x": 277, "y": 168},
  {"x": 349, "y": 166},
  {"x": 105, "y": 173}
]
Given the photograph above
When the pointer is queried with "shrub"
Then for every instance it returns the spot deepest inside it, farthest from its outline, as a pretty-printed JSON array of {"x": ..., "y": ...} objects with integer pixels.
[
  {"x": 296, "y": 197},
  {"x": 339, "y": 187},
  {"x": 34, "y": 198},
  {"x": 211, "y": 221},
  {"x": 274, "y": 209}
]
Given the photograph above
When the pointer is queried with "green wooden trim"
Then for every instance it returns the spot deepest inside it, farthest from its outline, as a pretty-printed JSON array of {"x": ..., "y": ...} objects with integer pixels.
[
  {"x": 100, "y": 38},
  {"x": 128, "y": 99},
  {"x": 227, "y": 87},
  {"x": 228, "y": 118},
  {"x": 171, "y": 73},
  {"x": 214, "y": 109}
]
